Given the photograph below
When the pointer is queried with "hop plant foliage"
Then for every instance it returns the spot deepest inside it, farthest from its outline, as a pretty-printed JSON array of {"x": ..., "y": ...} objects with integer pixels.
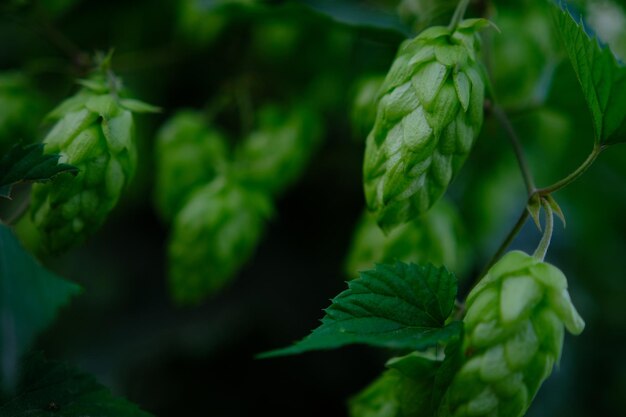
[
  {"x": 363, "y": 112},
  {"x": 214, "y": 234},
  {"x": 429, "y": 114},
  {"x": 189, "y": 154},
  {"x": 514, "y": 331},
  {"x": 277, "y": 152},
  {"x": 94, "y": 133}
]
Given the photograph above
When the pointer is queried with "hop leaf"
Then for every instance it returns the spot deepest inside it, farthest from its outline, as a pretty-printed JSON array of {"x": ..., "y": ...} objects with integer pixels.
[
  {"x": 213, "y": 236},
  {"x": 432, "y": 238},
  {"x": 276, "y": 153},
  {"x": 513, "y": 337},
  {"x": 94, "y": 133},
  {"x": 189, "y": 154},
  {"x": 429, "y": 115}
]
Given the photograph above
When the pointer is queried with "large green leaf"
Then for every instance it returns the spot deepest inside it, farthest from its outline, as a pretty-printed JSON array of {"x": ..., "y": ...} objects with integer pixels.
[
  {"x": 602, "y": 78},
  {"x": 402, "y": 306},
  {"x": 29, "y": 163},
  {"x": 29, "y": 299},
  {"x": 56, "y": 389}
]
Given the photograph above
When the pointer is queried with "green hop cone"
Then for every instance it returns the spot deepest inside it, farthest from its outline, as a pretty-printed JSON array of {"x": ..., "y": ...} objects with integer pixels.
[
  {"x": 435, "y": 237},
  {"x": 21, "y": 110},
  {"x": 214, "y": 234},
  {"x": 189, "y": 153},
  {"x": 95, "y": 133},
  {"x": 277, "y": 152},
  {"x": 514, "y": 330},
  {"x": 430, "y": 112}
]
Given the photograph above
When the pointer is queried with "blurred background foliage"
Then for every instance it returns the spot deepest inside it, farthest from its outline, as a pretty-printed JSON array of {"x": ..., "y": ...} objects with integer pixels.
[{"x": 225, "y": 60}]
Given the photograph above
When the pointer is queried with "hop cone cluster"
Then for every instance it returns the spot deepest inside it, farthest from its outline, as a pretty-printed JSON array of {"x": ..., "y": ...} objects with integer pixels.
[
  {"x": 189, "y": 154},
  {"x": 429, "y": 114},
  {"x": 432, "y": 238},
  {"x": 213, "y": 236},
  {"x": 277, "y": 152},
  {"x": 513, "y": 337},
  {"x": 95, "y": 133}
]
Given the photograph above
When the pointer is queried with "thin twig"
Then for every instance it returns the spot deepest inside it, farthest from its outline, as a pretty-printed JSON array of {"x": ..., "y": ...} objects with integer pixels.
[
  {"x": 517, "y": 148},
  {"x": 597, "y": 150}
]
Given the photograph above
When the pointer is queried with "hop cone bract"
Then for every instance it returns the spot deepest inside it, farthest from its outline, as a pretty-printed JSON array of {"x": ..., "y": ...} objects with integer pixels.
[
  {"x": 430, "y": 112},
  {"x": 513, "y": 337},
  {"x": 95, "y": 133},
  {"x": 214, "y": 234},
  {"x": 189, "y": 154}
]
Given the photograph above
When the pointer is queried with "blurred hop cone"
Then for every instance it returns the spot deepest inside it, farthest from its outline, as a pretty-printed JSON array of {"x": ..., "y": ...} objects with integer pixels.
[
  {"x": 214, "y": 234},
  {"x": 189, "y": 153}
]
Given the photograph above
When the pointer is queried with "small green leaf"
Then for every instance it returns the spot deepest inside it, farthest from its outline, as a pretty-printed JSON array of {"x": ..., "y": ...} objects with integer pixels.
[
  {"x": 602, "y": 79},
  {"x": 401, "y": 306},
  {"x": 29, "y": 163},
  {"x": 56, "y": 389},
  {"x": 29, "y": 299}
]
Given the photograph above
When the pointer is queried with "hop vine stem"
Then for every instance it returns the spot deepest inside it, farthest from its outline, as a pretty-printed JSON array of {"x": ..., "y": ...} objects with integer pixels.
[{"x": 533, "y": 192}]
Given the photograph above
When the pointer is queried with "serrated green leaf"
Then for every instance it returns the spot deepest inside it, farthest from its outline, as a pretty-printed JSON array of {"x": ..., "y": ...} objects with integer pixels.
[
  {"x": 56, "y": 389},
  {"x": 402, "y": 306},
  {"x": 602, "y": 79},
  {"x": 29, "y": 299},
  {"x": 29, "y": 163}
]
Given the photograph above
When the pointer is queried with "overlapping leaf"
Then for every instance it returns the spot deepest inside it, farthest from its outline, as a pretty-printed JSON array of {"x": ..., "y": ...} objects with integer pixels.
[
  {"x": 402, "y": 306},
  {"x": 56, "y": 389},
  {"x": 29, "y": 163},
  {"x": 29, "y": 299},
  {"x": 602, "y": 78}
]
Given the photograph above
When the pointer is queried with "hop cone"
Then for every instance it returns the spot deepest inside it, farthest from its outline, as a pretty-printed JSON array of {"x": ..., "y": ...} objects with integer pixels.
[
  {"x": 513, "y": 337},
  {"x": 429, "y": 113},
  {"x": 432, "y": 238},
  {"x": 95, "y": 133},
  {"x": 189, "y": 154},
  {"x": 214, "y": 234},
  {"x": 277, "y": 152}
]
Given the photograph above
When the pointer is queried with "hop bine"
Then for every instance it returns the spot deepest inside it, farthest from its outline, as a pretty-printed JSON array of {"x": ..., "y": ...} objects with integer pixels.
[
  {"x": 430, "y": 112},
  {"x": 95, "y": 133},
  {"x": 514, "y": 330}
]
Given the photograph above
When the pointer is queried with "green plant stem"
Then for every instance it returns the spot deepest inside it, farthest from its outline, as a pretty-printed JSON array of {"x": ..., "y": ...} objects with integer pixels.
[
  {"x": 597, "y": 150},
  {"x": 458, "y": 14},
  {"x": 517, "y": 148},
  {"x": 544, "y": 244}
]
